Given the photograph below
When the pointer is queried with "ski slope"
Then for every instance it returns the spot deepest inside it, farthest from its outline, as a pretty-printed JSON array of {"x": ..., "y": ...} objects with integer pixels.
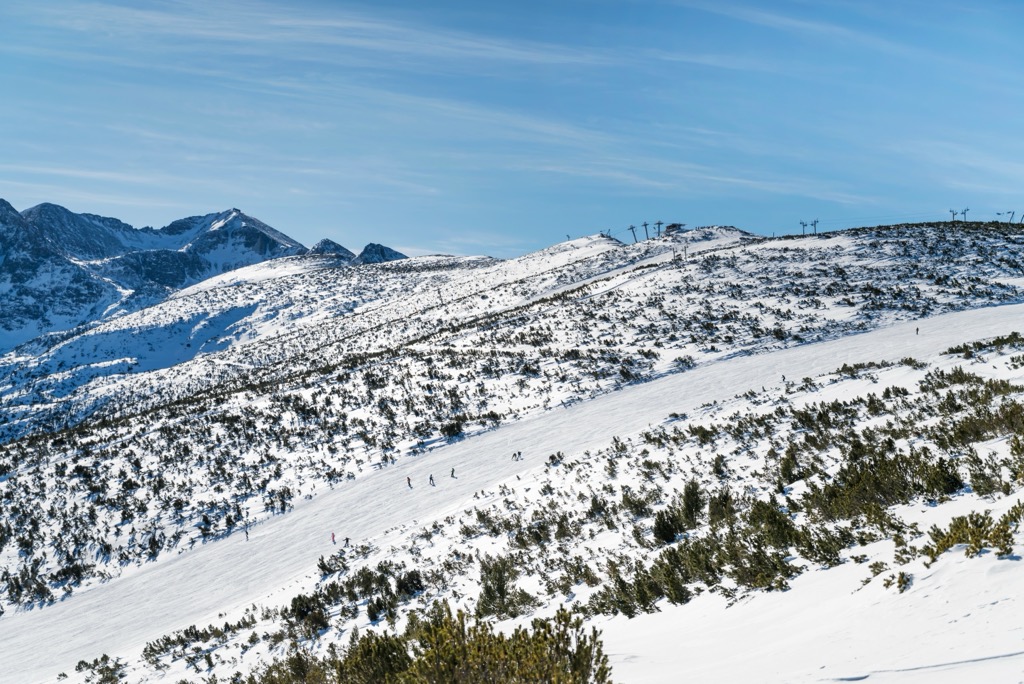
[
  {"x": 218, "y": 580},
  {"x": 961, "y": 623}
]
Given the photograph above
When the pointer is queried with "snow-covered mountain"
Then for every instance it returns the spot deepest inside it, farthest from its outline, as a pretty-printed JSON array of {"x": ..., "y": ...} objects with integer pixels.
[
  {"x": 659, "y": 435},
  {"x": 61, "y": 270},
  {"x": 377, "y": 254},
  {"x": 326, "y": 246}
]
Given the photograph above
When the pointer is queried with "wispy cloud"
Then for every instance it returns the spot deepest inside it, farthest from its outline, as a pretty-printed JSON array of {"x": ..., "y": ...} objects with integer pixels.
[
  {"x": 820, "y": 29},
  {"x": 727, "y": 61},
  {"x": 254, "y": 27},
  {"x": 87, "y": 174},
  {"x": 793, "y": 187},
  {"x": 660, "y": 176},
  {"x": 322, "y": 62},
  {"x": 73, "y": 195},
  {"x": 985, "y": 166}
]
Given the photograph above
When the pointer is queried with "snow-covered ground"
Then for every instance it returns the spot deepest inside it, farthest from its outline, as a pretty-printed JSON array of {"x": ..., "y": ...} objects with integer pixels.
[
  {"x": 187, "y": 464},
  {"x": 960, "y": 620}
]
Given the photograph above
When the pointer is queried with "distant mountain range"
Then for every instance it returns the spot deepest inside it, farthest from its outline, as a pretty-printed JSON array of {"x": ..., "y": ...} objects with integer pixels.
[{"x": 59, "y": 269}]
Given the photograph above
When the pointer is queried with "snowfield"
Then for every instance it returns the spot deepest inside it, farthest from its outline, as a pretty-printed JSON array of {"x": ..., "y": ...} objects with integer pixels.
[
  {"x": 186, "y": 465},
  {"x": 958, "y": 622}
]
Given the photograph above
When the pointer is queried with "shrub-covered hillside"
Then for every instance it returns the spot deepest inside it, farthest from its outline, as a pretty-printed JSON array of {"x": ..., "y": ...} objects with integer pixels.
[{"x": 615, "y": 429}]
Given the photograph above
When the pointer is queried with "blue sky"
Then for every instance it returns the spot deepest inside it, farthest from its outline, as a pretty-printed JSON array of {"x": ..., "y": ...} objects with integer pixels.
[{"x": 497, "y": 128}]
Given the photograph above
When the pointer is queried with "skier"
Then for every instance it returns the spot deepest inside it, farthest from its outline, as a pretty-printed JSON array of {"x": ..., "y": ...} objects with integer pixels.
[
  {"x": 346, "y": 541},
  {"x": 453, "y": 472},
  {"x": 431, "y": 479},
  {"x": 332, "y": 538},
  {"x": 408, "y": 481}
]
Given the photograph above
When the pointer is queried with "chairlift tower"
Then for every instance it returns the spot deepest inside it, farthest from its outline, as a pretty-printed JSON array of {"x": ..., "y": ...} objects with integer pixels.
[
  {"x": 953, "y": 213},
  {"x": 659, "y": 224},
  {"x": 803, "y": 227},
  {"x": 644, "y": 224},
  {"x": 632, "y": 229}
]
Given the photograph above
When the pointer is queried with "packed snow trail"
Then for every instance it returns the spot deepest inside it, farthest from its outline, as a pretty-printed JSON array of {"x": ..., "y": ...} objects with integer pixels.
[{"x": 219, "y": 579}]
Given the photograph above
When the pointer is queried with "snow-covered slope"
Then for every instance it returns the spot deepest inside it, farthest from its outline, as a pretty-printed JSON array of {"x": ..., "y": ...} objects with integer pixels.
[
  {"x": 699, "y": 416},
  {"x": 611, "y": 312}
]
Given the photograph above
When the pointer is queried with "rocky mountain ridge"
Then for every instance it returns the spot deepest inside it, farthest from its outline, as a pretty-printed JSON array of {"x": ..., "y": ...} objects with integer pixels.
[{"x": 60, "y": 269}]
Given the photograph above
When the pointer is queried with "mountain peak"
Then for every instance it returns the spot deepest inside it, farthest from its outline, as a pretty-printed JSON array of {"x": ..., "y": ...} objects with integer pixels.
[
  {"x": 79, "y": 236},
  {"x": 377, "y": 254},
  {"x": 7, "y": 212},
  {"x": 326, "y": 246}
]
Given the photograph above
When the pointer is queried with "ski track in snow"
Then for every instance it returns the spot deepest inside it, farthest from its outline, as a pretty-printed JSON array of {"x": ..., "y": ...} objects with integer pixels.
[{"x": 221, "y": 578}]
